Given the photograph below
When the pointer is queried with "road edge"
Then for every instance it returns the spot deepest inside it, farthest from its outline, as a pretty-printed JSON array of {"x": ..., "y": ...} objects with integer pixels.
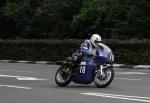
[{"x": 54, "y": 63}]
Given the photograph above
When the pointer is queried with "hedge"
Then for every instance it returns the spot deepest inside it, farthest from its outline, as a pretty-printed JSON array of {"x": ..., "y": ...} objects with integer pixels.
[{"x": 126, "y": 51}]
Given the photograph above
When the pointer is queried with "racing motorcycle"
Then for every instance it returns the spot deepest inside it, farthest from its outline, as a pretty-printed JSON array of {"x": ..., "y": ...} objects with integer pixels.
[{"x": 99, "y": 69}]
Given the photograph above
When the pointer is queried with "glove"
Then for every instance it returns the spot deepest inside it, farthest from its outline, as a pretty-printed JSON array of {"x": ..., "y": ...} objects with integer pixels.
[
  {"x": 74, "y": 58},
  {"x": 68, "y": 59}
]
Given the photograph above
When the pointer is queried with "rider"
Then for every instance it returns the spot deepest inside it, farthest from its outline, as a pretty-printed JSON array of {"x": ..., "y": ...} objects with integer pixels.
[{"x": 88, "y": 48}]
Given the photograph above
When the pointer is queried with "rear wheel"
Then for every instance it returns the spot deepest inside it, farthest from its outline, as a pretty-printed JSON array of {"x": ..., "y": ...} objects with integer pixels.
[
  {"x": 63, "y": 75},
  {"x": 104, "y": 79}
]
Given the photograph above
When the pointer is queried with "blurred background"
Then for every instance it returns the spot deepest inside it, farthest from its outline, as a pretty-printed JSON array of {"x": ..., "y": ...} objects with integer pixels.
[{"x": 53, "y": 29}]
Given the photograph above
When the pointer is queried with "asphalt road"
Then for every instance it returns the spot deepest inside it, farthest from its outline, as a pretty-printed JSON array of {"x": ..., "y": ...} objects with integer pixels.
[{"x": 34, "y": 83}]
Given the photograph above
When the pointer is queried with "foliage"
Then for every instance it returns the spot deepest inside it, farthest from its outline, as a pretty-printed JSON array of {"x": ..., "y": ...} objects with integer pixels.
[
  {"x": 41, "y": 18},
  {"x": 74, "y": 18},
  {"x": 114, "y": 18},
  {"x": 138, "y": 51}
]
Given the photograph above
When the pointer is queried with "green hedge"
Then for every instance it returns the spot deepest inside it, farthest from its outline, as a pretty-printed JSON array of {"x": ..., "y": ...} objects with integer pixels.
[
  {"x": 126, "y": 51},
  {"x": 50, "y": 50},
  {"x": 131, "y": 51}
]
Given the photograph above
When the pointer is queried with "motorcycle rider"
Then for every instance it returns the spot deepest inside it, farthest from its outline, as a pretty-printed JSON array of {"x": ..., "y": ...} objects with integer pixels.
[{"x": 88, "y": 48}]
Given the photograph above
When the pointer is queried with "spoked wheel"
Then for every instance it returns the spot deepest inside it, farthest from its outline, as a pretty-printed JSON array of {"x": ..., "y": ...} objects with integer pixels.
[
  {"x": 102, "y": 80},
  {"x": 63, "y": 76}
]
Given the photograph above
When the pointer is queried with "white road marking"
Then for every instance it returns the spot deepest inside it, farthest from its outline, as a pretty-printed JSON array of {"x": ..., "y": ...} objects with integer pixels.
[
  {"x": 24, "y": 72},
  {"x": 142, "y": 66},
  {"x": 41, "y": 62},
  {"x": 5, "y": 60},
  {"x": 144, "y": 70},
  {"x": 7, "y": 76},
  {"x": 6, "y": 70},
  {"x": 11, "y": 86},
  {"x": 22, "y": 77},
  {"x": 131, "y": 73},
  {"x": 17, "y": 71},
  {"x": 117, "y": 65},
  {"x": 127, "y": 79},
  {"x": 29, "y": 78},
  {"x": 124, "y": 97},
  {"x": 22, "y": 61}
]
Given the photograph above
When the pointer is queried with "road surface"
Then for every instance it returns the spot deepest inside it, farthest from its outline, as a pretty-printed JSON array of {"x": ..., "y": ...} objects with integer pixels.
[{"x": 34, "y": 83}]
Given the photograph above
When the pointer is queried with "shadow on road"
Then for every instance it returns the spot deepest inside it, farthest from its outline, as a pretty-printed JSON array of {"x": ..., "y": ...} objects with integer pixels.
[{"x": 77, "y": 86}]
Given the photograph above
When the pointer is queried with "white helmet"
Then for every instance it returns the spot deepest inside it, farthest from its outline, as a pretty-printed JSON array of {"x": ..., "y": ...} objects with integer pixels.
[{"x": 95, "y": 39}]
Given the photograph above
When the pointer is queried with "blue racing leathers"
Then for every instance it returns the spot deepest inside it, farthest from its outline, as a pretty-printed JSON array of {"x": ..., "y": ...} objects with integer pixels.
[{"x": 86, "y": 50}]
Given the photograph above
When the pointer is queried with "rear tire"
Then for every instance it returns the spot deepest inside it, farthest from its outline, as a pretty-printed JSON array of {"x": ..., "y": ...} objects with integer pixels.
[
  {"x": 98, "y": 80},
  {"x": 63, "y": 76}
]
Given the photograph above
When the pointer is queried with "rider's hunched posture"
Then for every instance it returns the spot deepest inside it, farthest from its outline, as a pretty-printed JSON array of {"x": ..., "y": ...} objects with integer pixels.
[{"x": 88, "y": 48}]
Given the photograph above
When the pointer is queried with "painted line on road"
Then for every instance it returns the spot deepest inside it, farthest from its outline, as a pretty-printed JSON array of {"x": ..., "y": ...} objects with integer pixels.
[
  {"x": 127, "y": 79},
  {"x": 22, "y": 77},
  {"x": 29, "y": 78},
  {"x": 17, "y": 71},
  {"x": 25, "y": 72},
  {"x": 6, "y": 70},
  {"x": 12, "y": 86},
  {"x": 139, "y": 73},
  {"x": 124, "y": 97}
]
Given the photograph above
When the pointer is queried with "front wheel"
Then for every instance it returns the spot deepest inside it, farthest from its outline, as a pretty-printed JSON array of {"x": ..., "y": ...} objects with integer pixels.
[
  {"x": 102, "y": 80},
  {"x": 63, "y": 76}
]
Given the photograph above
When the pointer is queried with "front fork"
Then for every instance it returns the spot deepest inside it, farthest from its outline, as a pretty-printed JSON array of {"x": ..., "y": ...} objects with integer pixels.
[{"x": 101, "y": 68}]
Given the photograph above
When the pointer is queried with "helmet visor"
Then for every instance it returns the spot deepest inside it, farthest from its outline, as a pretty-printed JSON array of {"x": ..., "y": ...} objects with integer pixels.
[{"x": 96, "y": 42}]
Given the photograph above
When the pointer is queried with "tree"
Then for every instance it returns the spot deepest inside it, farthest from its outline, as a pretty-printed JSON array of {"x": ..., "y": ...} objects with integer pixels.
[
  {"x": 74, "y": 18},
  {"x": 115, "y": 18},
  {"x": 41, "y": 18}
]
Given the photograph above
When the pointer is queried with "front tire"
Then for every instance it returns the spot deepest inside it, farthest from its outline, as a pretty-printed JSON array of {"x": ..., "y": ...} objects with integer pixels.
[
  {"x": 103, "y": 81},
  {"x": 63, "y": 76}
]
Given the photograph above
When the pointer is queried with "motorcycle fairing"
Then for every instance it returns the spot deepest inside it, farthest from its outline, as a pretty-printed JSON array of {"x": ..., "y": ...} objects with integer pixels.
[{"x": 84, "y": 76}]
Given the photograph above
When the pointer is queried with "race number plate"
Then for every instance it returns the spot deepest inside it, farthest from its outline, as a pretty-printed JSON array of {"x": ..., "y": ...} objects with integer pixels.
[{"x": 83, "y": 67}]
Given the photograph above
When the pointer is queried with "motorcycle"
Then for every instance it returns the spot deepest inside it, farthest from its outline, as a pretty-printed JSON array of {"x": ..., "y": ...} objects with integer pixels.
[{"x": 99, "y": 70}]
